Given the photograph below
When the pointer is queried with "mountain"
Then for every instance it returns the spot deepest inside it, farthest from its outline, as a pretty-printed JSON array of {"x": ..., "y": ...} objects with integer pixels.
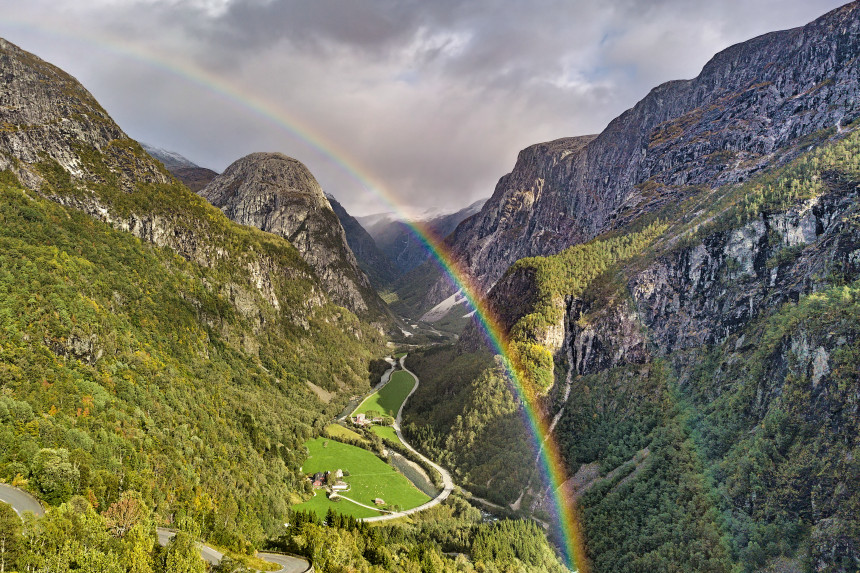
[
  {"x": 376, "y": 264},
  {"x": 170, "y": 159},
  {"x": 692, "y": 340},
  {"x": 192, "y": 175},
  {"x": 150, "y": 346},
  {"x": 195, "y": 178},
  {"x": 753, "y": 105},
  {"x": 395, "y": 238},
  {"x": 279, "y": 195}
]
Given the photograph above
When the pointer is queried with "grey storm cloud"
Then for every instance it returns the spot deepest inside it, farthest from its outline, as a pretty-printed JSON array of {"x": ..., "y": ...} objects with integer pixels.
[{"x": 432, "y": 99}]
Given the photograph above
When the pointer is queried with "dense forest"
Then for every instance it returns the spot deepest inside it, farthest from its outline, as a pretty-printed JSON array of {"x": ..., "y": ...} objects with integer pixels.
[{"x": 447, "y": 538}]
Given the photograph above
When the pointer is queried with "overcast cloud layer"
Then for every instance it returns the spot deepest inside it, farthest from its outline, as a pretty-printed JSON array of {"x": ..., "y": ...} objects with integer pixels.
[{"x": 433, "y": 98}]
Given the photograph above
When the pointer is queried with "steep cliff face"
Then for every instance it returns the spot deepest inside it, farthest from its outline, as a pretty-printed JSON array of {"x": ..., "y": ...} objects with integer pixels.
[
  {"x": 509, "y": 226},
  {"x": 751, "y": 106},
  {"x": 746, "y": 307},
  {"x": 379, "y": 268},
  {"x": 278, "y": 194}
]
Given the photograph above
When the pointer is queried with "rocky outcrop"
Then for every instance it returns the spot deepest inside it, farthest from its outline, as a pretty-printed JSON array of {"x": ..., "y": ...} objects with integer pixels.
[
  {"x": 379, "y": 268},
  {"x": 703, "y": 294},
  {"x": 278, "y": 194},
  {"x": 47, "y": 118},
  {"x": 754, "y": 104},
  {"x": 707, "y": 293}
]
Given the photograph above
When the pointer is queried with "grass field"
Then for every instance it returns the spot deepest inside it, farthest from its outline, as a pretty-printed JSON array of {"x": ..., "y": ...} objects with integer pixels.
[
  {"x": 386, "y": 432},
  {"x": 320, "y": 505},
  {"x": 387, "y": 400},
  {"x": 369, "y": 478},
  {"x": 399, "y": 355},
  {"x": 338, "y": 431}
]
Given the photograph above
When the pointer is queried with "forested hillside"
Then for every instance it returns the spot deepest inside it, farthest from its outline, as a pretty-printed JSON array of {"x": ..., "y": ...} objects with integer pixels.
[
  {"x": 701, "y": 368},
  {"x": 148, "y": 343},
  {"x": 127, "y": 367}
]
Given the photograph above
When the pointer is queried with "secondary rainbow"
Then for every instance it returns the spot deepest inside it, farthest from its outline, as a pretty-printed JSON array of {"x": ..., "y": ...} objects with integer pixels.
[{"x": 549, "y": 456}]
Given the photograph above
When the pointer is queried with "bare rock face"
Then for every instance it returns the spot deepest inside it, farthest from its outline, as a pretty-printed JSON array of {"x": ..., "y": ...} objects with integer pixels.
[
  {"x": 509, "y": 226},
  {"x": 278, "y": 194},
  {"x": 752, "y": 105},
  {"x": 46, "y": 115},
  {"x": 379, "y": 268}
]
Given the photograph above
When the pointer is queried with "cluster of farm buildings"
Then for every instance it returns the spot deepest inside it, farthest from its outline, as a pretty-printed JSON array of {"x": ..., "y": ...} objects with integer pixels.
[{"x": 363, "y": 421}]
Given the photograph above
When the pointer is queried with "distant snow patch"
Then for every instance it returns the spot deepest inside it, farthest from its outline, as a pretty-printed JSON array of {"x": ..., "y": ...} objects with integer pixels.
[
  {"x": 443, "y": 308},
  {"x": 405, "y": 332}
]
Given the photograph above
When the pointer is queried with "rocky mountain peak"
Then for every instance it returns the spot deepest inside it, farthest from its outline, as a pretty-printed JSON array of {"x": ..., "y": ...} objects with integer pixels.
[
  {"x": 268, "y": 177},
  {"x": 279, "y": 194}
]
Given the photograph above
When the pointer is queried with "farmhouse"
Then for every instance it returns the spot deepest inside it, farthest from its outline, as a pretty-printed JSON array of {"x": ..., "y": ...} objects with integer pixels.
[
  {"x": 318, "y": 479},
  {"x": 379, "y": 501}
]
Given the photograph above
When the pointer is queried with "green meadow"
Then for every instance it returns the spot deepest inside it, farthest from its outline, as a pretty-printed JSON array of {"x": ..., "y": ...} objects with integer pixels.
[
  {"x": 369, "y": 478},
  {"x": 338, "y": 431},
  {"x": 385, "y": 432},
  {"x": 388, "y": 399}
]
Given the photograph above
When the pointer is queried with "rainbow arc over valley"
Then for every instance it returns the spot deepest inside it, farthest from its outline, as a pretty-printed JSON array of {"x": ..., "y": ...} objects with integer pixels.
[{"x": 549, "y": 457}]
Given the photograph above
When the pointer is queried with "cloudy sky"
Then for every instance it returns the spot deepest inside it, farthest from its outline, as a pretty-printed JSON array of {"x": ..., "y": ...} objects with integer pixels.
[{"x": 428, "y": 100}]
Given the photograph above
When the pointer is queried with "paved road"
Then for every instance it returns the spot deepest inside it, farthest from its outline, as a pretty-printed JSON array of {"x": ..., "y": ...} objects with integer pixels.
[
  {"x": 288, "y": 563},
  {"x": 447, "y": 481},
  {"x": 209, "y": 554},
  {"x": 21, "y": 502}
]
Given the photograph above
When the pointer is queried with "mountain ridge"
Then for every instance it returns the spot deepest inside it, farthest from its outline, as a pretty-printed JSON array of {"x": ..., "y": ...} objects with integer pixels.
[
  {"x": 713, "y": 128},
  {"x": 395, "y": 237},
  {"x": 278, "y": 194},
  {"x": 157, "y": 346}
]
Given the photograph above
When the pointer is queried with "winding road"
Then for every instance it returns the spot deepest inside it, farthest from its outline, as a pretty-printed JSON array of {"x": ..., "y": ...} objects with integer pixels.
[
  {"x": 21, "y": 502},
  {"x": 447, "y": 481}
]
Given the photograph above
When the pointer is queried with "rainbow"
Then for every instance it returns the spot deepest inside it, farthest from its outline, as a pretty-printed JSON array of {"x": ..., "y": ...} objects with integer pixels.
[{"x": 549, "y": 457}]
